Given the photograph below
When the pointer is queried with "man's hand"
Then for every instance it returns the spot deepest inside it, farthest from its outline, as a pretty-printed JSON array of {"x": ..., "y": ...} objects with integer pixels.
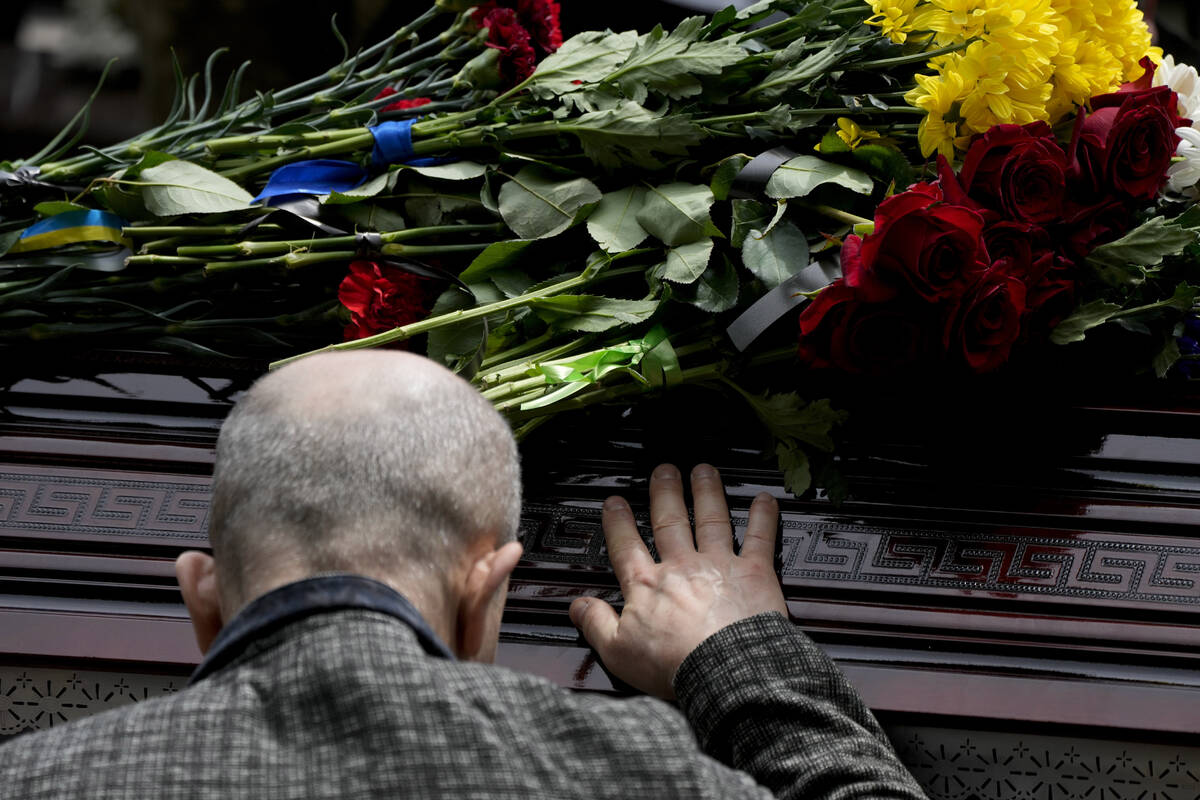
[{"x": 699, "y": 588}]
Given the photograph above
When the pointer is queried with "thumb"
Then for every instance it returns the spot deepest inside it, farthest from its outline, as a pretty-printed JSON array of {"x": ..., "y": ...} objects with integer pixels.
[{"x": 597, "y": 620}]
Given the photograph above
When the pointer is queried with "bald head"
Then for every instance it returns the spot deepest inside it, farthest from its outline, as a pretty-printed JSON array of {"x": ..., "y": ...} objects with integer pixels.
[{"x": 376, "y": 462}]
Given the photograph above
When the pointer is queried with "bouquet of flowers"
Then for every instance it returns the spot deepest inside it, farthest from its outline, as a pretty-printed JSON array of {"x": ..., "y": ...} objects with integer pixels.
[{"x": 745, "y": 200}]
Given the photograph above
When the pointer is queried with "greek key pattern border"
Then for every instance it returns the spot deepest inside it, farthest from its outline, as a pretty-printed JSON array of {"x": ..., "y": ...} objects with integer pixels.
[
  {"x": 39, "y": 500},
  {"x": 1034, "y": 564}
]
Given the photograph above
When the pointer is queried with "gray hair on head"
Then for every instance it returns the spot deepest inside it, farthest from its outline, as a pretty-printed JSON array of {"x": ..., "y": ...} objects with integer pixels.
[{"x": 375, "y": 462}]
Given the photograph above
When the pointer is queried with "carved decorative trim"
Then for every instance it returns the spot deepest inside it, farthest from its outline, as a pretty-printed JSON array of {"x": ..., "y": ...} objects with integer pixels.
[
  {"x": 41, "y": 500},
  {"x": 1115, "y": 569},
  {"x": 962, "y": 765},
  {"x": 1036, "y": 564},
  {"x": 37, "y": 699}
]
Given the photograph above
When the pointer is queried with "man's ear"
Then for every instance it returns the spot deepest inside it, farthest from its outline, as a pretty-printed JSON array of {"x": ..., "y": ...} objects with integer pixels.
[
  {"x": 481, "y": 604},
  {"x": 197, "y": 577}
]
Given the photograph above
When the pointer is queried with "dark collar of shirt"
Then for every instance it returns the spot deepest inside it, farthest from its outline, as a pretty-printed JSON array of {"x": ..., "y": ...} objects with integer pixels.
[{"x": 296, "y": 601}]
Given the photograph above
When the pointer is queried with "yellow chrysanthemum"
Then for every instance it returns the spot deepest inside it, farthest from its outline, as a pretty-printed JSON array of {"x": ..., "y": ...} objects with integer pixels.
[
  {"x": 893, "y": 18},
  {"x": 855, "y": 136},
  {"x": 940, "y": 96}
]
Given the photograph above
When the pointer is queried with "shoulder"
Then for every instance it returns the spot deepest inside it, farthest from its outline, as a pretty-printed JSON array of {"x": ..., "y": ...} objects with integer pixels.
[{"x": 32, "y": 764}]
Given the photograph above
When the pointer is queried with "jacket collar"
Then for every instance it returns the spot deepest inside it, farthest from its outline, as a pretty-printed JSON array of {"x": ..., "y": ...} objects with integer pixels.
[{"x": 322, "y": 594}]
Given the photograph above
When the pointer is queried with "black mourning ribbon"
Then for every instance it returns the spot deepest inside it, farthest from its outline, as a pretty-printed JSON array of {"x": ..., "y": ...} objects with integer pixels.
[
  {"x": 773, "y": 305},
  {"x": 28, "y": 176}
]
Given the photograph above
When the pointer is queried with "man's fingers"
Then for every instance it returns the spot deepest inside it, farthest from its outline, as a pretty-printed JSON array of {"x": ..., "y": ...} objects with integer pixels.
[
  {"x": 761, "y": 529},
  {"x": 668, "y": 513},
  {"x": 598, "y": 622},
  {"x": 626, "y": 550},
  {"x": 713, "y": 531}
]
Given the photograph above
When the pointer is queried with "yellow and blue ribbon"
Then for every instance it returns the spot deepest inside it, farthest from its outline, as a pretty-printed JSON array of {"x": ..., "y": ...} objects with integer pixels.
[{"x": 71, "y": 228}]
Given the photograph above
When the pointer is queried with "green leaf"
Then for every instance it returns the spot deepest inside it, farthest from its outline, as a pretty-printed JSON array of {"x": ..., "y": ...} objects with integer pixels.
[
  {"x": 510, "y": 282},
  {"x": 1083, "y": 319},
  {"x": 1189, "y": 218},
  {"x": 497, "y": 255},
  {"x": 776, "y": 256},
  {"x": 590, "y": 313},
  {"x": 614, "y": 223},
  {"x": 152, "y": 158},
  {"x": 181, "y": 187},
  {"x": 687, "y": 262},
  {"x": 1126, "y": 261},
  {"x": 677, "y": 213},
  {"x": 581, "y": 58},
  {"x": 8, "y": 239},
  {"x": 52, "y": 207},
  {"x": 670, "y": 64},
  {"x": 715, "y": 291},
  {"x": 455, "y": 171},
  {"x": 725, "y": 174},
  {"x": 448, "y": 343},
  {"x": 629, "y": 134},
  {"x": 798, "y": 176},
  {"x": 359, "y": 193},
  {"x": 787, "y": 416},
  {"x": 372, "y": 217},
  {"x": 780, "y": 81},
  {"x": 1166, "y": 357},
  {"x": 535, "y": 205},
  {"x": 793, "y": 463},
  {"x": 884, "y": 162},
  {"x": 748, "y": 215}
]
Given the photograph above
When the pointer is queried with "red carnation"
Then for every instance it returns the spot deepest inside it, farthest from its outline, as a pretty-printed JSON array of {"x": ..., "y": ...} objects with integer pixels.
[
  {"x": 400, "y": 105},
  {"x": 538, "y": 17},
  {"x": 505, "y": 33},
  {"x": 380, "y": 297}
]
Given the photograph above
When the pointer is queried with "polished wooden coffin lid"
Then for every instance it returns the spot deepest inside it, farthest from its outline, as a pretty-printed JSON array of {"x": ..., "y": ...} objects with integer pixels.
[{"x": 1009, "y": 552}]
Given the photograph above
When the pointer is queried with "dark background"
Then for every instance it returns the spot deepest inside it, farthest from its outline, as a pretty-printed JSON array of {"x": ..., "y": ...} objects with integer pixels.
[{"x": 52, "y": 51}]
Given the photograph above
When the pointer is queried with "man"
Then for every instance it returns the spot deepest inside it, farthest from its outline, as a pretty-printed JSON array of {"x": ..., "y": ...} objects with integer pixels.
[{"x": 363, "y": 521}]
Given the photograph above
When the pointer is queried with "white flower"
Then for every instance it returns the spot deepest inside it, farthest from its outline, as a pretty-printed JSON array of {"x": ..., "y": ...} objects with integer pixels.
[
  {"x": 1185, "y": 82},
  {"x": 1185, "y": 174}
]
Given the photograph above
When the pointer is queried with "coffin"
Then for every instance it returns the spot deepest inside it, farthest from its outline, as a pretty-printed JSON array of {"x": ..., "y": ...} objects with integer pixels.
[{"x": 1014, "y": 585}]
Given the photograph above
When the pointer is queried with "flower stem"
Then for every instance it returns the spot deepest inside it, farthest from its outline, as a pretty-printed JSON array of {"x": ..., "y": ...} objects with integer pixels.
[
  {"x": 450, "y": 318},
  {"x": 255, "y": 248}
]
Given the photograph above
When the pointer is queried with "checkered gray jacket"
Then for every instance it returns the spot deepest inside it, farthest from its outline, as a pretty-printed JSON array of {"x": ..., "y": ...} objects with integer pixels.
[{"x": 347, "y": 704}]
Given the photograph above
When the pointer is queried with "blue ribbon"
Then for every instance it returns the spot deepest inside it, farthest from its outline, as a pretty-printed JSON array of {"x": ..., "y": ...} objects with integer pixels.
[
  {"x": 319, "y": 176},
  {"x": 393, "y": 145}
]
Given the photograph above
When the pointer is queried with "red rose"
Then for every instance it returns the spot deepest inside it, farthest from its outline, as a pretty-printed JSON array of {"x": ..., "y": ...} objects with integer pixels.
[
  {"x": 1019, "y": 171},
  {"x": 1049, "y": 301},
  {"x": 1021, "y": 249},
  {"x": 982, "y": 330},
  {"x": 402, "y": 104},
  {"x": 921, "y": 241},
  {"x": 505, "y": 34},
  {"x": 1127, "y": 142},
  {"x": 839, "y": 330},
  {"x": 380, "y": 297},
  {"x": 1090, "y": 226}
]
